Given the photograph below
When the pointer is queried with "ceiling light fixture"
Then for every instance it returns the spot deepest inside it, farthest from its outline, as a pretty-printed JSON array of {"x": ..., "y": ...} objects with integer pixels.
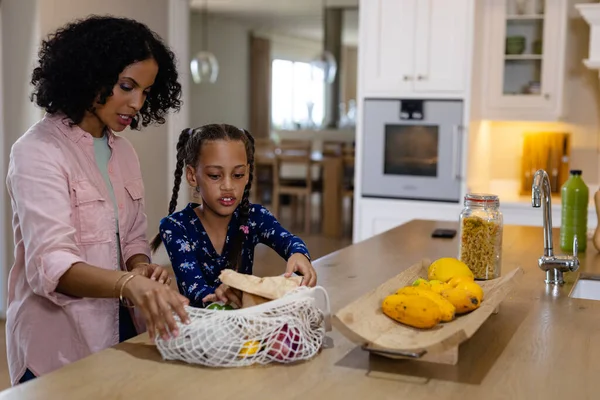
[
  {"x": 325, "y": 61},
  {"x": 204, "y": 66}
]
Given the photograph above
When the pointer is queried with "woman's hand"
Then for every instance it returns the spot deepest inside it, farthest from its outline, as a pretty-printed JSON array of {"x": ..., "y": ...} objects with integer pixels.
[
  {"x": 152, "y": 271},
  {"x": 225, "y": 294},
  {"x": 157, "y": 302},
  {"x": 299, "y": 263}
]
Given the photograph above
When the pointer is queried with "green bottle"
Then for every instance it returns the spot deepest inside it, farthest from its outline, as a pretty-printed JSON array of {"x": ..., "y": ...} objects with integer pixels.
[{"x": 574, "y": 202}]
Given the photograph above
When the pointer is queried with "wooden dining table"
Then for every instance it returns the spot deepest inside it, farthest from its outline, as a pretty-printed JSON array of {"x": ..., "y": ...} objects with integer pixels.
[{"x": 333, "y": 174}]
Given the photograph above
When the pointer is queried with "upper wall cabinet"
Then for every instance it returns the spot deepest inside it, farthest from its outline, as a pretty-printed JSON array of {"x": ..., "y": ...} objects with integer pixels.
[
  {"x": 415, "y": 48},
  {"x": 523, "y": 59}
]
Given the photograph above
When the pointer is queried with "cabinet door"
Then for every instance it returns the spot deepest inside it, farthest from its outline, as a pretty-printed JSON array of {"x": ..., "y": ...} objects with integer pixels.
[
  {"x": 388, "y": 42},
  {"x": 441, "y": 54},
  {"x": 379, "y": 215},
  {"x": 525, "y": 54}
]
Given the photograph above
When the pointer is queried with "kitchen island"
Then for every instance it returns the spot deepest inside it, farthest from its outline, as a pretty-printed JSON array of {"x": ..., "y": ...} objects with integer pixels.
[{"x": 541, "y": 345}]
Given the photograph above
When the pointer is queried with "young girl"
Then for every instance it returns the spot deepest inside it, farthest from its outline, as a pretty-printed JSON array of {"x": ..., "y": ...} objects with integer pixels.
[{"x": 223, "y": 229}]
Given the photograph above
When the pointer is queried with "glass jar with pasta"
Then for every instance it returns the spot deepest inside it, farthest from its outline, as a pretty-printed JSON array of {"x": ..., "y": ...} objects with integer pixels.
[{"x": 481, "y": 235}]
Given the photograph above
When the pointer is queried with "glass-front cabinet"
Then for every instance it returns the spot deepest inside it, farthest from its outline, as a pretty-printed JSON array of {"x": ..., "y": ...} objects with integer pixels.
[{"x": 524, "y": 59}]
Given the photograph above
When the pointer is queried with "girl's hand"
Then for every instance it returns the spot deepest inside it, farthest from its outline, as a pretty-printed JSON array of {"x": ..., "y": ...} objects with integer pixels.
[
  {"x": 157, "y": 302},
  {"x": 299, "y": 263},
  {"x": 225, "y": 294},
  {"x": 152, "y": 271}
]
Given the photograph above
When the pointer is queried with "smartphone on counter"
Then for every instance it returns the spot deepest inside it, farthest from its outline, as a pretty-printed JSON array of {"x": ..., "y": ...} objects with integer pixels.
[{"x": 444, "y": 233}]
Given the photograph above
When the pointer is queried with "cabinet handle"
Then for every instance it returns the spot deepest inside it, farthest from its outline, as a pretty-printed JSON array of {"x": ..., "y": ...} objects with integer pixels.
[
  {"x": 457, "y": 131},
  {"x": 547, "y": 96},
  {"x": 421, "y": 77},
  {"x": 407, "y": 78}
]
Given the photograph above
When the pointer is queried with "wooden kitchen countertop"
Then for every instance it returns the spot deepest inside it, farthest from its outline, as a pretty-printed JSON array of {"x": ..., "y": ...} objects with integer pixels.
[{"x": 541, "y": 345}]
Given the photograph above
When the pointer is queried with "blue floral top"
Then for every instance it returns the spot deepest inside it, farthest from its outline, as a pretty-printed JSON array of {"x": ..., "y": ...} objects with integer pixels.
[{"x": 197, "y": 264}]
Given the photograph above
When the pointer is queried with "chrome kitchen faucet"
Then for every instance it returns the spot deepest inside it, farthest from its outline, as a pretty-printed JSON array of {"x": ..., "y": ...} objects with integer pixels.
[{"x": 553, "y": 265}]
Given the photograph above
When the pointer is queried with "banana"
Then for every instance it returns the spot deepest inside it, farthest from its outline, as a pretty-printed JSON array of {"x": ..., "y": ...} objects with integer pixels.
[
  {"x": 412, "y": 310},
  {"x": 448, "y": 310}
]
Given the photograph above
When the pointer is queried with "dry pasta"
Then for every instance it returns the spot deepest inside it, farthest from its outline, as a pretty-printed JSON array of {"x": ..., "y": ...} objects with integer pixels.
[{"x": 480, "y": 246}]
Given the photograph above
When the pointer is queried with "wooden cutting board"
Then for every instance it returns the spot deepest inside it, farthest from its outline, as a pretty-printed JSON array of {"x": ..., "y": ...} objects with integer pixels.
[{"x": 364, "y": 323}]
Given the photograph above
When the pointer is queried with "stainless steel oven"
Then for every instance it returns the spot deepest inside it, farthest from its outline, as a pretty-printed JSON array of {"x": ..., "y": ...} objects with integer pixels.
[{"x": 412, "y": 149}]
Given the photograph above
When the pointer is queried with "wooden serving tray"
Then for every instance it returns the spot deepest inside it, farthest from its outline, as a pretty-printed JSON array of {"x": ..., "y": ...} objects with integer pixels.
[{"x": 364, "y": 323}]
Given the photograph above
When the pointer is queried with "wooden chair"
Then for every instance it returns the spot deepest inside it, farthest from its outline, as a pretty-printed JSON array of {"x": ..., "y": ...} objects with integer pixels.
[
  {"x": 264, "y": 161},
  {"x": 294, "y": 153},
  {"x": 348, "y": 179},
  {"x": 344, "y": 150},
  {"x": 333, "y": 148}
]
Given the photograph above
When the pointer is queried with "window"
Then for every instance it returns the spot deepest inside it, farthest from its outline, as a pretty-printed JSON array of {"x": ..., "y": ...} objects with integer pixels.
[{"x": 296, "y": 88}]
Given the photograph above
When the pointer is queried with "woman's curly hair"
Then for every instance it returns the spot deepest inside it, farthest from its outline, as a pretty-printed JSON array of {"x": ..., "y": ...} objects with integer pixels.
[{"x": 81, "y": 62}]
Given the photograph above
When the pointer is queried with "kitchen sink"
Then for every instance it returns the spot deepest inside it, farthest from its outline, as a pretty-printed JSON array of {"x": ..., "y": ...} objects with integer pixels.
[{"x": 586, "y": 287}]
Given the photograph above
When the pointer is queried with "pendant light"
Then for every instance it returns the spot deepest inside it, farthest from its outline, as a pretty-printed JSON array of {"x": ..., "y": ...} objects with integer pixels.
[
  {"x": 204, "y": 66},
  {"x": 325, "y": 61}
]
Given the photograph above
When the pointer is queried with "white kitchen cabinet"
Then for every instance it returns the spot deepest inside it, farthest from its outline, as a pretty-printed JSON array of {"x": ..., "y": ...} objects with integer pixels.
[
  {"x": 415, "y": 48},
  {"x": 523, "y": 82},
  {"x": 379, "y": 215}
]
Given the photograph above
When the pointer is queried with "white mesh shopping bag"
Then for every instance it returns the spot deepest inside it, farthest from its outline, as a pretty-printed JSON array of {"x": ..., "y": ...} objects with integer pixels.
[{"x": 288, "y": 329}]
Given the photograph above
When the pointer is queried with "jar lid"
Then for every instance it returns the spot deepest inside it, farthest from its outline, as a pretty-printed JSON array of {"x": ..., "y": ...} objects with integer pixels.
[{"x": 483, "y": 199}]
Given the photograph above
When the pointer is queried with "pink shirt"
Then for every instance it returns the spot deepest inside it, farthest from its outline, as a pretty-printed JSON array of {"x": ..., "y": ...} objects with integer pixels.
[{"x": 63, "y": 214}]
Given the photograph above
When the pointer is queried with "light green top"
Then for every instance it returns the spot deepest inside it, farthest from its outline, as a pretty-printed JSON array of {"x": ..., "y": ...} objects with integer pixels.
[{"x": 102, "y": 153}]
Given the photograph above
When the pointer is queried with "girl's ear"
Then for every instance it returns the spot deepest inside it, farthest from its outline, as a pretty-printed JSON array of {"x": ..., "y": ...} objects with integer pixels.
[{"x": 190, "y": 175}]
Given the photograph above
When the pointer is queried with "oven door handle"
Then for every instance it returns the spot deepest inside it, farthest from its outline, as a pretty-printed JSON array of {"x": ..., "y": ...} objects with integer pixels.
[{"x": 457, "y": 151}]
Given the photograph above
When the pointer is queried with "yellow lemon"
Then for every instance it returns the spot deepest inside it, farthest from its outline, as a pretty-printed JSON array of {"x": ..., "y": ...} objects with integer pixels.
[
  {"x": 447, "y": 268},
  {"x": 249, "y": 348}
]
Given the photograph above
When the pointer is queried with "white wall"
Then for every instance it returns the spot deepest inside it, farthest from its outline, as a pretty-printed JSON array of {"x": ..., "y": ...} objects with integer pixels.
[
  {"x": 179, "y": 40},
  {"x": 24, "y": 22},
  {"x": 3, "y": 223},
  {"x": 228, "y": 100},
  {"x": 20, "y": 37}
]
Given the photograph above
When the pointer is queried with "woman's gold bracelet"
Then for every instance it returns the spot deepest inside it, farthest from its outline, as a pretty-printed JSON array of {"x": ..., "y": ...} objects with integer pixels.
[
  {"x": 121, "y": 299},
  {"x": 116, "y": 292}
]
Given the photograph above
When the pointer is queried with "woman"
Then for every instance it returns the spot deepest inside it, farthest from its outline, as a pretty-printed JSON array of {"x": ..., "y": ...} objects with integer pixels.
[{"x": 82, "y": 259}]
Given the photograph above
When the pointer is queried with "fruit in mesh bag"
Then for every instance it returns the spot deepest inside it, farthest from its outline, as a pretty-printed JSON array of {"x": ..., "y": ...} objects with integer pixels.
[
  {"x": 219, "y": 305},
  {"x": 286, "y": 344},
  {"x": 250, "y": 348}
]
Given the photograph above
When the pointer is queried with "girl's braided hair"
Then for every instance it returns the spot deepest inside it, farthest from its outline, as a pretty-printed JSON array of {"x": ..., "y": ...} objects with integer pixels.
[{"x": 189, "y": 146}]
